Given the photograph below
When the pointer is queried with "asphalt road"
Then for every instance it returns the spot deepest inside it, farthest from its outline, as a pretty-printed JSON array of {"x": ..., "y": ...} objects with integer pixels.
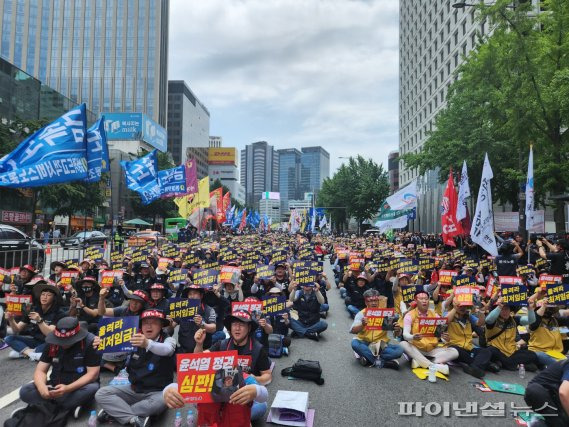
[{"x": 352, "y": 395}]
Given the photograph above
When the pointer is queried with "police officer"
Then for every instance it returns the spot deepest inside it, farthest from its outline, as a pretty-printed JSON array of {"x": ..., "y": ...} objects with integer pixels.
[
  {"x": 74, "y": 363},
  {"x": 118, "y": 239},
  {"x": 150, "y": 368}
]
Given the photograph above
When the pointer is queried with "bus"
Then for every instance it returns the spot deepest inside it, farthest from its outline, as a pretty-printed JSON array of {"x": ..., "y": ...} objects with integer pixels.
[{"x": 172, "y": 225}]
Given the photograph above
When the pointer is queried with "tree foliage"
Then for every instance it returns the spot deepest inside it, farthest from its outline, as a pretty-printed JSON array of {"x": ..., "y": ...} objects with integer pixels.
[
  {"x": 360, "y": 186},
  {"x": 512, "y": 91}
]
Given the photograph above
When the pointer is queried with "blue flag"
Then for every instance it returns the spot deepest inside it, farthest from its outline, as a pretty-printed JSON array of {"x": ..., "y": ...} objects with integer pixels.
[
  {"x": 172, "y": 181},
  {"x": 237, "y": 219},
  {"x": 97, "y": 151},
  {"x": 52, "y": 155},
  {"x": 142, "y": 177}
]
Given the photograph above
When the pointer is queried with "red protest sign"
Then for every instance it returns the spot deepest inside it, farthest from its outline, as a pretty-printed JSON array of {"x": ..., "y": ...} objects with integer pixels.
[
  {"x": 356, "y": 263},
  {"x": 109, "y": 276},
  {"x": 428, "y": 325},
  {"x": 15, "y": 303},
  {"x": 164, "y": 262},
  {"x": 549, "y": 279},
  {"x": 67, "y": 277},
  {"x": 464, "y": 295},
  {"x": 375, "y": 317},
  {"x": 491, "y": 288},
  {"x": 445, "y": 277},
  {"x": 251, "y": 307},
  {"x": 197, "y": 373},
  {"x": 229, "y": 274}
]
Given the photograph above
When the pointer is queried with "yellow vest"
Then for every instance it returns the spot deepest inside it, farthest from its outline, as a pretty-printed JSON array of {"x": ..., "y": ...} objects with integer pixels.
[
  {"x": 546, "y": 337},
  {"x": 371, "y": 336},
  {"x": 425, "y": 344},
  {"x": 506, "y": 341},
  {"x": 397, "y": 303},
  {"x": 460, "y": 336}
]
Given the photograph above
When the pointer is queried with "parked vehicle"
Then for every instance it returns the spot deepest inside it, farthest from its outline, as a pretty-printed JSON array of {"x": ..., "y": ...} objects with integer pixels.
[
  {"x": 17, "y": 249},
  {"x": 85, "y": 238},
  {"x": 140, "y": 238}
]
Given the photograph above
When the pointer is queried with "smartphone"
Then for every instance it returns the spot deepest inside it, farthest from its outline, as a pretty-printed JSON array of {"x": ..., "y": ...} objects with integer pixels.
[{"x": 50, "y": 387}]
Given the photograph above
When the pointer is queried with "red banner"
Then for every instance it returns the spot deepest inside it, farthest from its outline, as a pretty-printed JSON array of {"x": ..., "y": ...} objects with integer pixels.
[
  {"x": 375, "y": 317},
  {"x": 15, "y": 303},
  {"x": 451, "y": 227}
]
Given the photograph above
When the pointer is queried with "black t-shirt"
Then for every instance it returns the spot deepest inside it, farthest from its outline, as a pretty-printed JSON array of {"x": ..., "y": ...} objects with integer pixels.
[
  {"x": 263, "y": 362},
  {"x": 506, "y": 264},
  {"x": 51, "y": 317},
  {"x": 559, "y": 262}
]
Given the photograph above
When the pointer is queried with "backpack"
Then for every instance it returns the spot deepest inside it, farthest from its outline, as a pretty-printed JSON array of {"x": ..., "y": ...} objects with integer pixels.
[
  {"x": 275, "y": 345},
  {"x": 46, "y": 414},
  {"x": 305, "y": 370}
]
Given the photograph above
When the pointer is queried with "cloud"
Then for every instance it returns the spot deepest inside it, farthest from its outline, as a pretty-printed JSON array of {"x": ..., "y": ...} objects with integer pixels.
[{"x": 293, "y": 72}]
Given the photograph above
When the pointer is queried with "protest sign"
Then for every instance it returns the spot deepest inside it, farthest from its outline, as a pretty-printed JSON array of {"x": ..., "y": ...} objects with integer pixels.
[
  {"x": 274, "y": 305},
  {"x": 512, "y": 290},
  {"x": 229, "y": 274},
  {"x": 3, "y": 274},
  {"x": 408, "y": 266},
  {"x": 183, "y": 308},
  {"x": 305, "y": 276},
  {"x": 116, "y": 332},
  {"x": 279, "y": 256},
  {"x": 265, "y": 272},
  {"x": 250, "y": 306},
  {"x": 178, "y": 276},
  {"x": 445, "y": 277},
  {"x": 491, "y": 288},
  {"x": 67, "y": 277},
  {"x": 376, "y": 318},
  {"x": 464, "y": 295},
  {"x": 368, "y": 253},
  {"x": 524, "y": 269},
  {"x": 16, "y": 304},
  {"x": 426, "y": 263},
  {"x": 356, "y": 263},
  {"x": 431, "y": 326},
  {"x": 464, "y": 280},
  {"x": 205, "y": 278},
  {"x": 549, "y": 279},
  {"x": 197, "y": 375},
  {"x": 210, "y": 265},
  {"x": 408, "y": 293},
  {"x": 108, "y": 277},
  {"x": 558, "y": 293},
  {"x": 94, "y": 253},
  {"x": 164, "y": 262}
]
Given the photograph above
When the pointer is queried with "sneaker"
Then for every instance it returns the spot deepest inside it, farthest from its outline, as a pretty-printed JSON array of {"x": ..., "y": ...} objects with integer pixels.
[
  {"x": 312, "y": 336},
  {"x": 140, "y": 421},
  {"x": 285, "y": 351},
  {"x": 364, "y": 362},
  {"x": 34, "y": 357},
  {"x": 323, "y": 314},
  {"x": 379, "y": 364},
  {"x": 493, "y": 367},
  {"x": 442, "y": 368},
  {"x": 293, "y": 334},
  {"x": 391, "y": 364},
  {"x": 14, "y": 355},
  {"x": 15, "y": 411},
  {"x": 77, "y": 412},
  {"x": 103, "y": 417},
  {"x": 414, "y": 364},
  {"x": 474, "y": 371}
]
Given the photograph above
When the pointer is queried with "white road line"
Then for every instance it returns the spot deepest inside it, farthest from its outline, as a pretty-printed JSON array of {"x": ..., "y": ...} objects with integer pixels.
[{"x": 10, "y": 398}]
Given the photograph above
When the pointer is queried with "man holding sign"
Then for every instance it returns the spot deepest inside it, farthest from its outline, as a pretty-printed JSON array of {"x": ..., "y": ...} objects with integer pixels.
[{"x": 370, "y": 330}]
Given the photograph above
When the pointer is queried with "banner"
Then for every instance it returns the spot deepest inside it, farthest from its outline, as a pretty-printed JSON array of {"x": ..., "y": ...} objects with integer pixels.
[
  {"x": 142, "y": 177},
  {"x": 54, "y": 154},
  {"x": 482, "y": 231},
  {"x": 67, "y": 277},
  {"x": 549, "y": 279},
  {"x": 445, "y": 277},
  {"x": 229, "y": 274},
  {"x": 408, "y": 293},
  {"x": 512, "y": 291},
  {"x": 376, "y": 318},
  {"x": 250, "y": 306},
  {"x": 172, "y": 182},
  {"x": 183, "y": 308},
  {"x": 406, "y": 198},
  {"x": 463, "y": 194},
  {"x": 305, "y": 276},
  {"x": 178, "y": 276},
  {"x": 464, "y": 280},
  {"x": 265, "y": 272},
  {"x": 191, "y": 176},
  {"x": 408, "y": 266},
  {"x": 94, "y": 253},
  {"x": 108, "y": 277},
  {"x": 274, "y": 305},
  {"x": 357, "y": 264},
  {"x": 97, "y": 151},
  {"x": 389, "y": 219},
  {"x": 450, "y": 226},
  {"x": 116, "y": 332},
  {"x": 16, "y": 304},
  {"x": 205, "y": 278},
  {"x": 432, "y": 326},
  {"x": 464, "y": 295},
  {"x": 197, "y": 375},
  {"x": 530, "y": 193},
  {"x": 558, "y": 294}
]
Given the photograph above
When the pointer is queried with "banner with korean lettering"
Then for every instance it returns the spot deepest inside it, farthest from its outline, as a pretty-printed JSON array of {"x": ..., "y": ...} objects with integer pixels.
[
  {"x": 229, "y": 274},
  {"x": 549, "y": 279},
  {"x": 94, "y": 253},
  {"x": 142, "y": 177},
  {"x": 97, "y": 151},
  {"x": 408, "y": 266},
  {"x": 305, "y": 276},
  {"x": 464, "y": 280},
  {"x": 183, "y": 308},
  {"x": 54, "y": 154},
  {"x": 464, "y": 295},
  {"x": 250, "y": 306},
  {"x": 274, "y": 305},
  {"x": 115, "y": 334},
  {"x": 513, "y": 292},
  {"x": 201, "y": 376},
  {"x": 408, "y": 293},
  {"x": 357, "y": 263},
  {"x": 265, "y": 272},
  {"x": 431, "y": 326},
  {"x": 108, "y": 277},
  {"x": 172, "y": 182},
  {"x": 205, "y": 278},
  {"x": 558, "y": 293},
  {"x": 18, "y": 304},
  {"x": 445, "y": 277},
  {"x": 376, "y": 318},
  {"x": 67, "y": 277},
  {"x": 178, "y": 276}
]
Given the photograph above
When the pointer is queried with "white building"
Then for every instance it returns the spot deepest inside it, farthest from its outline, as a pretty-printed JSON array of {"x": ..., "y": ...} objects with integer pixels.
[{"x": 270, "y": 205}]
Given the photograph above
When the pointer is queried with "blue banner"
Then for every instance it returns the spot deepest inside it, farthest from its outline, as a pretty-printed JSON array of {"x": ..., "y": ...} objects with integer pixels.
[
  {"x": 142, "y": 177},
  {"x": 52, "y": 155},
  {"x": 116, "y": 332},
  {"x": 97, "y": 151},
  {"x": 172, "y": 181}
]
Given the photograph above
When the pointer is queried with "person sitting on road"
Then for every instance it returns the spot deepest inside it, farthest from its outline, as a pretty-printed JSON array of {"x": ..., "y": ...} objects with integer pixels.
[
  {"x": 307, "y": 302},
  {"x": 158, "y": 293},
  {"x": 150, "y": 369},
  {"x": 85, "y": 306},
  {"x": 418, "y": 347},
  {"x": 20, "y": 284},
  {"x": 388, "y": 352},
  {"x": 355, "y": 294},
  {"x": 74, "y": 364},
  {"x": 57, "y": 267},
  {"x": 28, "y": 339}
]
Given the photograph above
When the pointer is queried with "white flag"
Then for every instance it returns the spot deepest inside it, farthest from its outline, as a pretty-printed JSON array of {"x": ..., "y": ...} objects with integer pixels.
[
  {"x": 530, "y": 201},
  {"x": 406, "y": 198},
  {"x": 323, "y": 222},
  {"x": 463, "y": 193},
  {"x": 482, "y": 231}
]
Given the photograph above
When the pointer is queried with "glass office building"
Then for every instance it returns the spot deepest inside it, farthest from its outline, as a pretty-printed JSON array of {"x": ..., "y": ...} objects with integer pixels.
[
  {"x": 110, "y": 54},
  {"x": 315, "y": 167},
  {"x": 289, "y": 176}
]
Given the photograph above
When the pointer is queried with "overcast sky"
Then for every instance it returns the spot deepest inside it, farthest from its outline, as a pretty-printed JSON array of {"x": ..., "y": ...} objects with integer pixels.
[{"x": 293, "y": 72}]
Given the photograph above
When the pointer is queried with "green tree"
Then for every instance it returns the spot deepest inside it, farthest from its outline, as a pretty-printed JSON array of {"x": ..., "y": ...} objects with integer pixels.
[{"x": 512, "y": 92}]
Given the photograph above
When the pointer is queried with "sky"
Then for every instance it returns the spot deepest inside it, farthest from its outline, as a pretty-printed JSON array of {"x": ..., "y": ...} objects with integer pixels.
[{"x": 293, "y": 73}]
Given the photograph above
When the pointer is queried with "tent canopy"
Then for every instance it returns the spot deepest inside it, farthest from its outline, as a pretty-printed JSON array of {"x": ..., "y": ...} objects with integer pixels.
[{"x": 136, "y": 221}]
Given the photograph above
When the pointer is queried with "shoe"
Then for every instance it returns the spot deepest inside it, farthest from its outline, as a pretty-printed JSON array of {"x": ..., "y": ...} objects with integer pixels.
[
  {"x": 103, "y": 417},
  {"x": 442, "y": 368},
  {"x": 293, "y": 334},
  {"x": 414, "y": 364},
  {"x": 14, "y": 355},
  {"x": 531, "y": 367},
  {"x": 364, "y": 362},
  {"x": 379, "y": 364},
  {"x": 474, "y": 371},
  {"x": 140, "y": 422},
  {"x": 493, "y": 367},
  {"x": 34, "y": 357},
  {"x": 391, "y": 364},
  {"x": 285, "y": 351},
  {"x": 323, "y": 314},
  {"x": 312, "y": 336},
  {"x": 77, "y": 412},
  {"x": 15, "y": 411}
]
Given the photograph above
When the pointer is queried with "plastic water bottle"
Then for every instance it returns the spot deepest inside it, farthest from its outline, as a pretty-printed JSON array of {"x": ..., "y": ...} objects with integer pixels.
[
  {"x": 190, "y": 419},
  {"x": 432, "y": 373},
  {"x": 522, "y": 370},
  {"x": 178, "y": 420},
  {"x": 92, "y": 419}
]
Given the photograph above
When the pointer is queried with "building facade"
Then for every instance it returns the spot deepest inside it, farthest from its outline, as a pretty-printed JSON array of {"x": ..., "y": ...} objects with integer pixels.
[
  {"x": 110, "y": 54},
  {"x": 188, "y": 126},
  {"x": 315, "y": 167},
  {"x": 393, "y": 171},
  {"x": 222, "y": 163},
  {"x": 289, "y": 175},
  {"x": 270, "y": 207},
  {"x": 259, "y": 171},
  {"x": 215, "y": 141}
]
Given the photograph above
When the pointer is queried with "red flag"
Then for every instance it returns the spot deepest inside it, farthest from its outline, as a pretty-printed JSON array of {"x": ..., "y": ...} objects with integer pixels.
[
  {"x": 191, "y": 176},
  {"x": 216, "y": 203},
  {"x": 466, "y": 224},
  {"x": 226, "y": 204},
  {"x": 243, "y": 220},
  {"x": 451, "y": 227}
]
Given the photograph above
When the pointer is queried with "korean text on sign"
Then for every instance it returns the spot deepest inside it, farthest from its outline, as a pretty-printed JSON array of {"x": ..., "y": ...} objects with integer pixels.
[
  {"x": 273, "y": 305},
  {"x": 181, "y": 308},
  {"x": 428, "y": 325},
  {"x": 15, "y": 303},
  {"x": 116, "y": 332},
  {"x": 108, "y": 277},
  {"x": 376, "y": 316}
]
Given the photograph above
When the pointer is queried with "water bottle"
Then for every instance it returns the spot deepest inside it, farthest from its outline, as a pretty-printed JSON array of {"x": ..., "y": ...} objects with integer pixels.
[
  {"x": 190, "y": 419},
  {"x": 522, "y": 370},
  {"x": 92, "y": 419},
  {"x": 432, "y": 373}
]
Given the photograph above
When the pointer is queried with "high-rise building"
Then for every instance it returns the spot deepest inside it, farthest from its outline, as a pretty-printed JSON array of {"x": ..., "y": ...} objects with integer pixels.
[
  {"x": 215, "y": 141},
  {"x": 188, "y": 126},
  {"x": 110, "y": 54},
  {"x": 259, "y": 171},
  {"x": 270, "y": 206},
  {"x": 393, "y": 171},
  {"x": 289, "y": 175},
  {"x": 315, "y": 167},
  {"x": 223, "y": 166}
]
